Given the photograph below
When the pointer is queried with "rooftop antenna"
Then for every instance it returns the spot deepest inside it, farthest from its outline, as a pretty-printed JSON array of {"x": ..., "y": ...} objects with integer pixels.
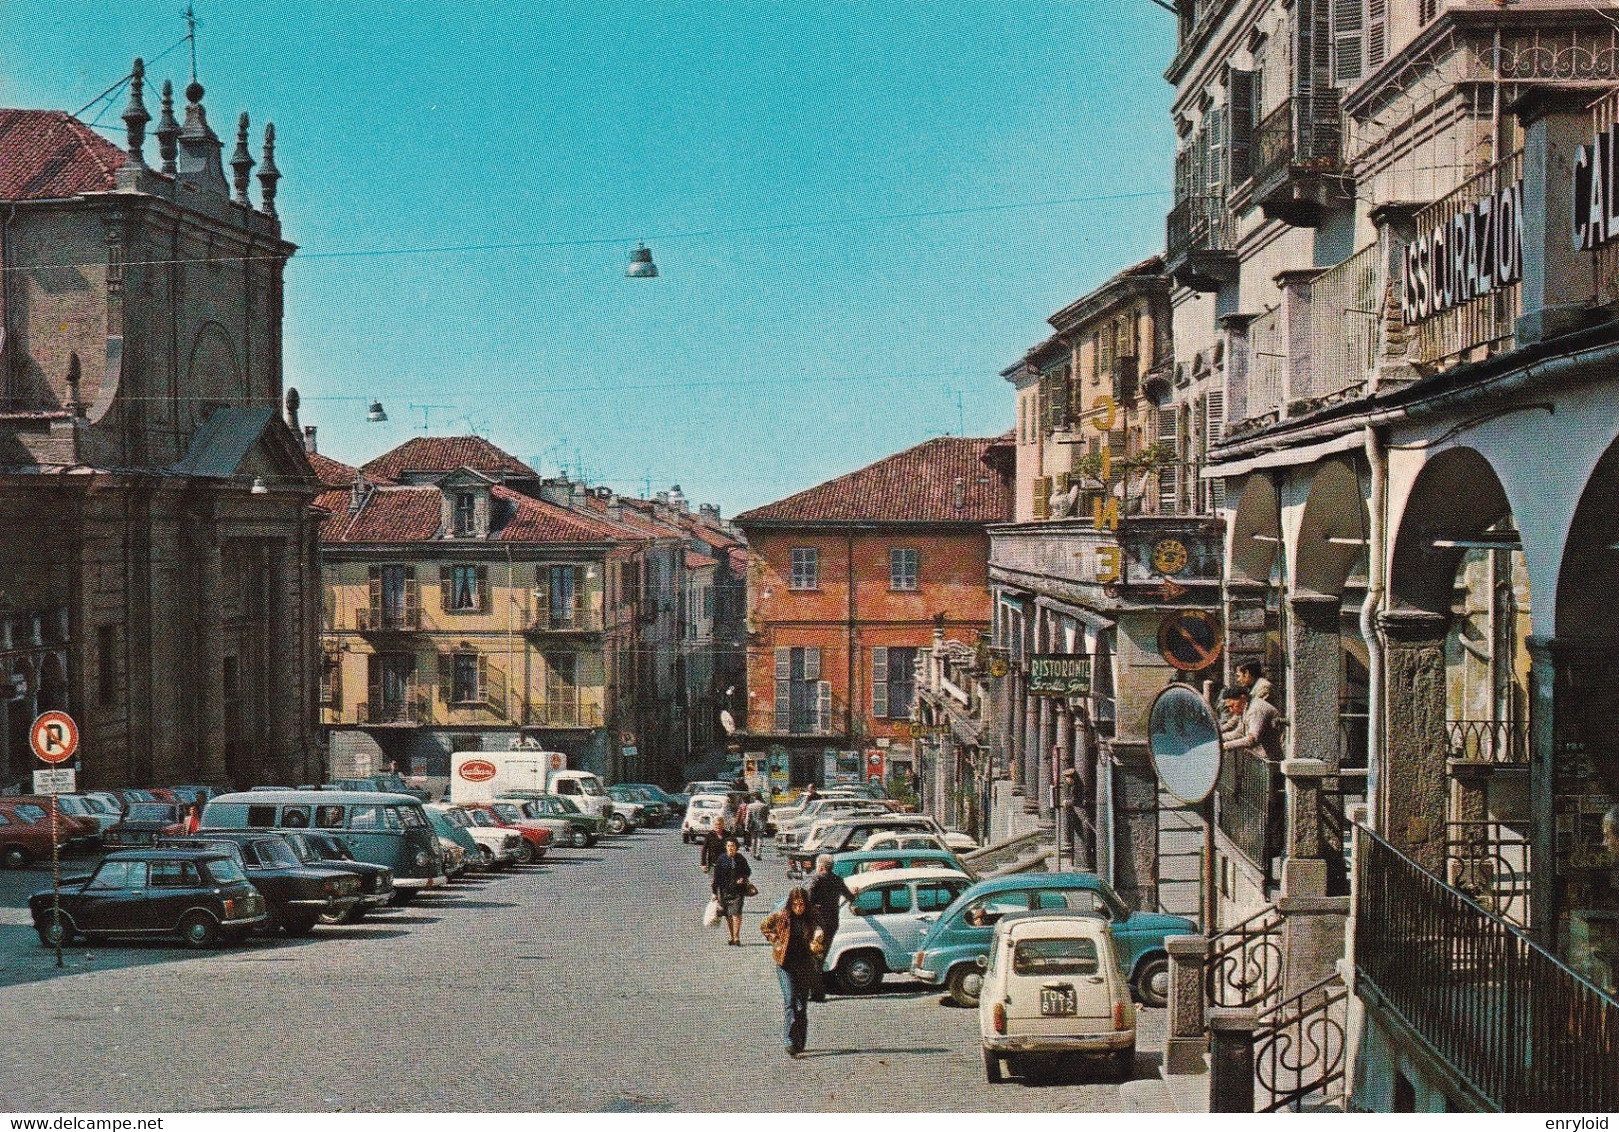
[
  {"x": 191, "y": 35},
  {"x": 961, "y": 410},
  {"x": 427, "y": 409}
]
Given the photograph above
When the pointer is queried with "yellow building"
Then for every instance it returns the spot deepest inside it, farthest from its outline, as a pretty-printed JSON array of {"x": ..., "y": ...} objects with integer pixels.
[{"x": 464, "y": 609}]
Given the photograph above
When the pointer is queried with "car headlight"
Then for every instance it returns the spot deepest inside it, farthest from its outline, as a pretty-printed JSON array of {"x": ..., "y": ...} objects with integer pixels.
[{"x": 423, "y": 858}]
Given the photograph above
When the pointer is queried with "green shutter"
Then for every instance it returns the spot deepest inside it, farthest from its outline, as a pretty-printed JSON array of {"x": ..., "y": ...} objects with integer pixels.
[{"x": 879, "y": 682}]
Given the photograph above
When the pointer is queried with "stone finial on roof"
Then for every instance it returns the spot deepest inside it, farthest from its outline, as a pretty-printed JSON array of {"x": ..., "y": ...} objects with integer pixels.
[
  {"x": 241, "y": 162},
  {"x": 199, "y": 159},
  {"x": 291, "y": 401},
  {"x": 268, "y": 173},
  {"x": 135, "y": 115},
  {"x": 168, "y": 129}
]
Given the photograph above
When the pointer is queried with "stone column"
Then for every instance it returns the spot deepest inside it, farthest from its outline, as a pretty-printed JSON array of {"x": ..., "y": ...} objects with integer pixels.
[
  {"x": 1312, "y": 922},
  {"x": 209, "y": 758},
  {"x": 1048, "y": 739},
  {"x": 948, "y": 809},
  {"x": 1030, "y": 761},
  {"x": 1542, "y": 808},
  {"x": 1413, "y": 794},
  {"x": 1304, "y": 866},
  {"x": 1016, "y": 711},
  {"x": 1245, "y": 624},
  {"x": 1314, "y": 673},
  {"x": 1188, "y": 1030},
  {"x": 1135, "y": 825},
  {"x": 288, "y": 661}
]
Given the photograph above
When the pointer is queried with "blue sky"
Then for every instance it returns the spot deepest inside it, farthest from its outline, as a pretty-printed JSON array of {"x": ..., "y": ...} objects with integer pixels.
[{"x": 779, "y": 348}]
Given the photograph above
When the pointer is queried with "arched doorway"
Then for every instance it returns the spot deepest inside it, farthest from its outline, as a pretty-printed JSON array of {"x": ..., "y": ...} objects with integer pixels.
[
  {"x": 1578, "y": 754},
  {"x": 1453, "y": 793}
]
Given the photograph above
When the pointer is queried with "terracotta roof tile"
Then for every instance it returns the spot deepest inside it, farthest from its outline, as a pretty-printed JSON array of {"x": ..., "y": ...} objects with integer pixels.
[
  {"x": 447, "y": 454},
  {"x": 533, "y": 520},
  {"x": 47, "y": 154},
  {"x": 330, "y": 472},
  {"x": 914, "y": 486},
  {"x": 395, "y": 514},
  {"x": 695, "y": 561}
]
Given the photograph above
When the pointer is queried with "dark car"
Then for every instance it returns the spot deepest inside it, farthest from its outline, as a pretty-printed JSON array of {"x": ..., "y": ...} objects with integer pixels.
[
  {"x": 202, "y": 895},
  {"x": 676, "y": 804},
  {"x": 323, "y": 850},
  {"x": 297, "y": 895},
  {"x": 144, "y": 822}
]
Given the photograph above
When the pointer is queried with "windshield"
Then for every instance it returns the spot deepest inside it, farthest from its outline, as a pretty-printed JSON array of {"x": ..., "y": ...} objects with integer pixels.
[
  {"x": 388, "y": 782},
  {"x": 411, "y": 817},
  {"x": 482, "y": 817},
  {"x": 225, "y": 870},
  {"x": 509, "y": 811},
  {"x": 29, "y": 812},
  {"x": 102, "y": 804},
  {"x": 301, "y": 849},
  {"x": 274, "y": 854},
  {"x": 74, "y": 806},
  {"x": 590, "y": 785},
  {"x": 457, "y": 817},
  {"x": 150, "y": 811}
]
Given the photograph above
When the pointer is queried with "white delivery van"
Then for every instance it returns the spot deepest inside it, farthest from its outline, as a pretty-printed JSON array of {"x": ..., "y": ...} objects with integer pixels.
[{"x": 483, "y": 776}]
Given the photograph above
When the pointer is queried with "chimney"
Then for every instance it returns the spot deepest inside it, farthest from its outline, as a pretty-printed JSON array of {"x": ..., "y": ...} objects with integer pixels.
[
  {"x": 662, "y": 497},
  {"x": 309, "y": 439},
  {"x": 677, "y": 498},
  {"x": 615, "y": 509},
  {"x": 711, "y": 512},
  {"x": 961, "y": 494},
  {"x": 358, "y": 493},
  {"x": 579, "y": 497},
  {"x": 556, "y": 491}
]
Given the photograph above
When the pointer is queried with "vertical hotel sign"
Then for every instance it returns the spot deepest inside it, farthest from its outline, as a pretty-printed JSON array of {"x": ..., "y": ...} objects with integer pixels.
[
  {"x": 1596, "y": 209},
  {"x": 1474, "y": 253}
]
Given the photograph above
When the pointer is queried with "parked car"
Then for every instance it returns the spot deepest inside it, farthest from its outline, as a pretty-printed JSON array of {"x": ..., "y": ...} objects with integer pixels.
[
  {"x": 700, "y": 814},
  {"x": 1052, "y": 986},
  {"x": 325, "y": 850},
  {"x": 24, "y": 841},
  {"x": 87, "y": 809},
  {"x": 515, "y": 812},
  {"x": 191, "y": 794},
  {"x": 129, "y": 795},
  {"x": 950, "y": 952},
  {"x": 842, "y": 833},
  {"x": 200, "y": 894},
  {"x": 536, "y": 838},
  {"x": 627, "y": 813},
  {"x": 385, "y": 829},
  {"x": 451, "y": 833},
  {"x": 900, "y": 839},
  {"x": 792, "y": 830},
  {"x": 298, "y": 896},
  {"x": 866, "y": 861},
  {"x": 107, "y": 800},
  {"x": 890, "y": 912},
  {"x": 497, "y": 848},
  {"x": 674, "y": 803},
  {"x": 583, "y": 829},
  {"x": 145, "y": 822},
  {"x": 653, "y": 812},
  {"x": 80, "y": 831},
  {"x": 454, "y": 858},
  {"x": 706, "y": 786}
]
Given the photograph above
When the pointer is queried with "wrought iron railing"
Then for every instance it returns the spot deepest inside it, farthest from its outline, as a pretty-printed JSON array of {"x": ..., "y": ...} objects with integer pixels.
[
  {"x": 1300, "y": 1048},
  {"x": 1486, "y": 323},
  {"x": 1244, "y": 967},
  {"x": 1267, "y": 365},
  {"x": 374, "y": 619},
  {"x": 1197, "y": 223},
  {"x": 1250, "y": 815},
  {"x": 1501, "y": 741},
  {"x": 1489, "y": 862},
  {"x": 1304, "y": 132},
  {"x": 412, "y": 709},
  {"x": 566, "y": 619},
  {"x": 1341, "y": 793},
  {"x": 1346, "y": 313},
  {"x": 1523, "y": 1030}
]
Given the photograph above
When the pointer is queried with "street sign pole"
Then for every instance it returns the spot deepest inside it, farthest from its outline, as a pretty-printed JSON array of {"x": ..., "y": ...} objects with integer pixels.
[
  {"x": 56, "y": 882},
  {"x": 55, "y": 739}
]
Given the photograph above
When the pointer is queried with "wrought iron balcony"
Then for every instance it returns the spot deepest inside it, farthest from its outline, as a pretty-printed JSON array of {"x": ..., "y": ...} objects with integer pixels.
[
  {"x": 1503, "y": 742},
  {"x": 411, "y": 709},
  {"x": 564, "y": 714},
  {"x": 1489, "y": 862},
  {"x": 1523, "y": 1030},
  {"x": 1250, "y": 789},
  {"x": 1297, "y": 159},
  {"x": 566, "y": 619},
  {"x": 378, "y": 619},
  {"x": 1198, "y": 241}
]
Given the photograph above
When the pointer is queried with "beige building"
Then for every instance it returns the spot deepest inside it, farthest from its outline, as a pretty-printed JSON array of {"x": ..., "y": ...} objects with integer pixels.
[{"x": 160, "y": 577}]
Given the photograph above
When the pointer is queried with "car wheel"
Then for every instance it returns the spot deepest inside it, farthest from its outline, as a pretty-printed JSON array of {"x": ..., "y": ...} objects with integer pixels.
[
  {"x": 1123, "y": 1063},
  {"x": 964, "y": 984},
  {"x": 992, "y": 1068},
  {"x": 1152, "y": 982},
  {"x": 618, "y": 823},
  {"x": 356, "y": 914},
  {"x": 579, "y": 839},
  {"x": 54, "y": 931},
  {"x": 525, "y": 853},
  {"x": 199, "y": 930},
  {"x": 302, "y": 925},
  {"x": 16, "y": 857},
  {"x": 860, "y": 971},
  {"x": 401, "y": 897},
  {"x": 487, "y": 856}
]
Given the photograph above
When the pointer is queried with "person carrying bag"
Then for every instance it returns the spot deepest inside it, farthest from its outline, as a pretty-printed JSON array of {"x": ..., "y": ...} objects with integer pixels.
[{"x": 798, "y": 945}]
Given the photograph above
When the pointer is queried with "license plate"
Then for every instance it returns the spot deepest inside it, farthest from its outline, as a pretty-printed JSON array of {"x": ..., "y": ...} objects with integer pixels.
[{"x": 1058, "y": 1002}]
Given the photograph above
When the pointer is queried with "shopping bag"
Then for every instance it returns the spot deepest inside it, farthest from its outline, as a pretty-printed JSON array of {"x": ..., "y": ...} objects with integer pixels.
[{"x": 711, "y": 914}]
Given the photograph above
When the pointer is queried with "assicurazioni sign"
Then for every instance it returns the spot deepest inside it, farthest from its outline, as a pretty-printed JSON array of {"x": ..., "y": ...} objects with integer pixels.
[
  {"x": 1059, "y": 674},
  {"x": 1476, "y": 252}
]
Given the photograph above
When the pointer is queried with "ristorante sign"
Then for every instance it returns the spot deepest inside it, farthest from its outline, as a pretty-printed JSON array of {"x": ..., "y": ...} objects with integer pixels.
[
  {"x": 1596, "y": 195},
  {"x": 1475, "y": 253}
]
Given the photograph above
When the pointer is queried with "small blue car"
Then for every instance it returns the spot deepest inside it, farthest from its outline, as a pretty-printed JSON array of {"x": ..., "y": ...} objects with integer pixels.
[
  {"x": 858, "y": 861},
  {"x": 953, "y": 949}
]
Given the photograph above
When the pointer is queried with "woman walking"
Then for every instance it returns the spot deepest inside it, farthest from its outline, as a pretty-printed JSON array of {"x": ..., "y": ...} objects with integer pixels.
[
  {"x": 713, "y": 844},
  {"x": 798, "y": 944},
  {"x": 730, "y": 885}
]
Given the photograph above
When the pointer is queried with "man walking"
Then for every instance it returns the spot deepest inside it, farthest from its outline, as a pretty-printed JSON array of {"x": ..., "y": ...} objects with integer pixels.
[
  {"x": 825, "y": 890},
  {"x": 730, "y": 885}
]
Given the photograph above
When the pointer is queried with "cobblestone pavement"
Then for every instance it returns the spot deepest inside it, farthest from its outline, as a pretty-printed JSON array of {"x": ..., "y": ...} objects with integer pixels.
[{"x": 585, "y": 983}]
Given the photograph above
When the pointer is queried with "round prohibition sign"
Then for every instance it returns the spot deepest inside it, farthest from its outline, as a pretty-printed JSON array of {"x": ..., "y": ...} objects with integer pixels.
[
  {"x": 1190, "y": 640},
  {"x": 54, "y": 737}
]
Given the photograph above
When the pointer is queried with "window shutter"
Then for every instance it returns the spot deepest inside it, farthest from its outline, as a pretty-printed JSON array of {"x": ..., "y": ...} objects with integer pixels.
[
  {"x": 879, "y": 682},
  {"x": 373, "y": 682},
  {"x": 1216, "y": 432},
  {"x": 823, "y": 713},
  {"x": 1348, "y": 26},
  {"x": 1042, "y": 497},
  {"x": 1214, "y": 130},
  {"x": 446, "y": 588},
  {"x": 784, "y": 688},
  {"x": 542, "y": 594},
  {"x": 484, "y": 604},
  {"x": 784, "y": 664},
  {"x": 483, "y": 679},
  {"x": 1168, "y": 478},
  {"x": 446, "y": 677},
  {"x": 413, "y": 598},
  {"x": 375, "y": 595},
  {"x": 812, "y": 664},
  {"x": 1377, "y": 33},
  {"x": 1240, "y": 89}
]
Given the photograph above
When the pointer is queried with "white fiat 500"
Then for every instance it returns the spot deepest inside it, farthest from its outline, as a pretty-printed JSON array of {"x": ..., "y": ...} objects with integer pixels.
[
  {"x": 885, "y": 922},
  {"x": 1052, "y": 987}
]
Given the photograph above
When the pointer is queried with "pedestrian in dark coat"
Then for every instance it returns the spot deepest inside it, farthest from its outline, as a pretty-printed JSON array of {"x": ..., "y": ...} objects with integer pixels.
[
  {"x": 730, "y": 885},
  {"x": 713, "y": 844},
  {"x": 798, "y": 944},
  {"x": 825, "y": 890}
]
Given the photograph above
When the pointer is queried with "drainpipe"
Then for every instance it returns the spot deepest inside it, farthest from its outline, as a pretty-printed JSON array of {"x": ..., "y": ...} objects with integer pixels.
[{"x": 1377, "y": 457}]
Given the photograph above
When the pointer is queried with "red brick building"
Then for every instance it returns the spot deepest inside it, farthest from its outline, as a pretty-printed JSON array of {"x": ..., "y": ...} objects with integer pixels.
[{"x": 846, "y": 583}]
